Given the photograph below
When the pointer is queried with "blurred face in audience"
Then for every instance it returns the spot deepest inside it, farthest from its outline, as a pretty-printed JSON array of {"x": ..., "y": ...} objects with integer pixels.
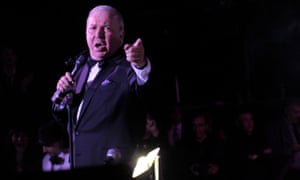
[
  {"x": 246, "y": 121},
  {"x": 293, "y": 113},
  {"x": 200, "y": 127},
  {"x": 52, "y": 149},
  {"x": 19, "y": 139},
  {"x": 8, "y": 61}
]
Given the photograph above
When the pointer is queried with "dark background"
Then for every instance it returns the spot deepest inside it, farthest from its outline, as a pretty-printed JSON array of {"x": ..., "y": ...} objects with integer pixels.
[
  {"x": 237, "y": 52},
  {"x": 221, "y": 52}
]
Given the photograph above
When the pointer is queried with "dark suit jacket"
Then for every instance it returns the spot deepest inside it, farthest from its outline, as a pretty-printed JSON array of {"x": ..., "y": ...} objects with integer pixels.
[{"x": 109, "y": 117}]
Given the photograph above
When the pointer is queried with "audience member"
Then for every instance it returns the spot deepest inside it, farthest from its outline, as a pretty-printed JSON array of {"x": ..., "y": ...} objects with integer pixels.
[
  {"x": 21, "y": 154},
  {"x": 154, "y": 137},
  {"x": 285, "y": 143},
  {"x": 10, "y": 79},
  {"x": 53, "y": 137},
  {"x": 202, "y": 155},
  {"x": 175, "y": 129},
  {"x": 17, "y": 88},
  {"x": 249, "y": 153}
]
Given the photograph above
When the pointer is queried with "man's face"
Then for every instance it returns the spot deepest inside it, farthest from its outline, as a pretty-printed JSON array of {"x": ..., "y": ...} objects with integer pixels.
[
  {"x": 246, "y": 120},
  {"x": 52, "y": 149},
  {"x": 200, "y": 126},
  {"x": 104, "y": 34},
  {"x": 294, "y": 113},
  {"x": 20, "y": 139}
]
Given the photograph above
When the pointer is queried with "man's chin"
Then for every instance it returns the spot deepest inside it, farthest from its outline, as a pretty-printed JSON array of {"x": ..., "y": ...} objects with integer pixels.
[{"x": 99, "y": 55}]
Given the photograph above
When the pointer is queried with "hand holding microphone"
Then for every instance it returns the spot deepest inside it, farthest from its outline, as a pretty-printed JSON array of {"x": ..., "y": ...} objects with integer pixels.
[{"x": 66, "y": 84}]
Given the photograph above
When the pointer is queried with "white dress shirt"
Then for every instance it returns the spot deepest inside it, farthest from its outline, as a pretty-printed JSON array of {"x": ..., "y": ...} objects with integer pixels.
[{"x": 47, "y": 165}]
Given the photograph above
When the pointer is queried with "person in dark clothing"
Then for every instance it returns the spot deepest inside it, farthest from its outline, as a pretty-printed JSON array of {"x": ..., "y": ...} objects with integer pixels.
[{"x": 104, "y": 93}]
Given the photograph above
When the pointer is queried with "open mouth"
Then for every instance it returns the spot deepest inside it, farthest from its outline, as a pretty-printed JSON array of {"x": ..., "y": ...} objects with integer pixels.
[{"x": 98, "y": 45}]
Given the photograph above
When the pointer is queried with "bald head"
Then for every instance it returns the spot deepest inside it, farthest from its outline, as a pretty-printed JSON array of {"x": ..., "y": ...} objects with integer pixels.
[{"x": 111, "y": 10}]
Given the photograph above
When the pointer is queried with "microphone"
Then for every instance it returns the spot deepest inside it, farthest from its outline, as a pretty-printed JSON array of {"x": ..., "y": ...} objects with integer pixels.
[
  {"x": 113, "y": 155},
  {"x": 80, "y": 60}
]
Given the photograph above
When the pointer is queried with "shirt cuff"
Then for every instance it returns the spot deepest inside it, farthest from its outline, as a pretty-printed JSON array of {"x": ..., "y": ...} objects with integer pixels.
[{"x": 142, "y": 73}]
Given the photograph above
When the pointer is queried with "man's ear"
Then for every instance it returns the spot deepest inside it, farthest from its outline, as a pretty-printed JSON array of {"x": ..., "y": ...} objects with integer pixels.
[{"x": 122, "y": 36}]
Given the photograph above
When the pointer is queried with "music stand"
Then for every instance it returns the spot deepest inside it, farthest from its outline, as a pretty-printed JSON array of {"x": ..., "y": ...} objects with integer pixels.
[{"x": 144, "y": 163}]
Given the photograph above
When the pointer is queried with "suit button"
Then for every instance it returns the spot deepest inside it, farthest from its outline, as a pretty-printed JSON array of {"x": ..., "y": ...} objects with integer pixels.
[{"x": 76, "y": 133}]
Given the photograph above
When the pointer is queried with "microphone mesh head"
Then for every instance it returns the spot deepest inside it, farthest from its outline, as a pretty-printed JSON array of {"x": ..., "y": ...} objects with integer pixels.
[{"x": 113, "y": 154}]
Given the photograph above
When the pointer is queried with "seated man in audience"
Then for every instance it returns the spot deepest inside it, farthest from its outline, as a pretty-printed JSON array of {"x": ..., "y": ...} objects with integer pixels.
[{"x": 54, "y": 139}]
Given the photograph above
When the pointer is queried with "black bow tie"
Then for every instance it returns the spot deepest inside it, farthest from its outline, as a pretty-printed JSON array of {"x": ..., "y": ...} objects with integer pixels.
[
  {"x": 92, "y": 62},
  {"x": 56, "y": 160}
]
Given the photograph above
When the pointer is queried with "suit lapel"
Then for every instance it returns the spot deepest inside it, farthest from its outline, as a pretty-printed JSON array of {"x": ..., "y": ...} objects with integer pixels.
[{"x": 102, "y": 75}]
